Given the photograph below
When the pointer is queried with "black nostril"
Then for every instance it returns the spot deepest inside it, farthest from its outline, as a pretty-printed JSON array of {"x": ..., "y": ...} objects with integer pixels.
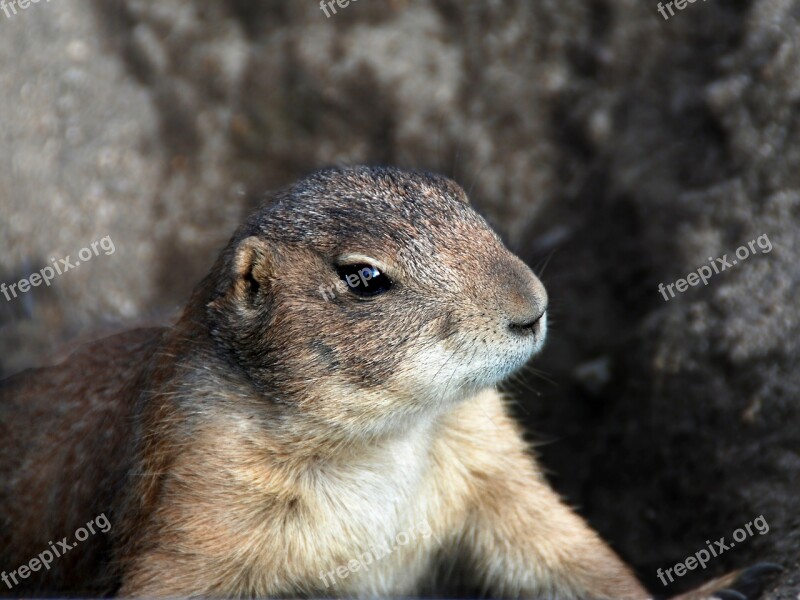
[{"x": 526, "y": 327}]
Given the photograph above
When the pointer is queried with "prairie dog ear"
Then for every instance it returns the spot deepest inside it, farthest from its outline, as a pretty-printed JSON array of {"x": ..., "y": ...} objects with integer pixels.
[{"x": 253, "y": 267}]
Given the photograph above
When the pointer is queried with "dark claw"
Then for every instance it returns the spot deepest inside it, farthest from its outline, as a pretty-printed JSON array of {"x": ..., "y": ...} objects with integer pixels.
[
  {"x": 754, "y": 579},
  {"x": 729, "y": 595},
  {"x": 764, "y": 569}
]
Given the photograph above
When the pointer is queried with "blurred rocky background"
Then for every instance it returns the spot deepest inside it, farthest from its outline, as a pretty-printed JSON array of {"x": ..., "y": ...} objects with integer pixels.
[{"x": 614, "y": 149}]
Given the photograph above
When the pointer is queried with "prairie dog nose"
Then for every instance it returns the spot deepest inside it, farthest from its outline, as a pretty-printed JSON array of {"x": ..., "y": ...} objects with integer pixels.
[
  {"x": 526, "y": 302},
  {"x": 529, "y": 327}
]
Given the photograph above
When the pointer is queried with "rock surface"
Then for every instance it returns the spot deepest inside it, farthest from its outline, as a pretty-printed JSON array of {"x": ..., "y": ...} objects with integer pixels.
[{"x": 620, "y": 149}]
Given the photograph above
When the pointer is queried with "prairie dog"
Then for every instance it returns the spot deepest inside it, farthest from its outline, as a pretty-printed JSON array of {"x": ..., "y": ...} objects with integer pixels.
[{"x": 275, "y": 435}]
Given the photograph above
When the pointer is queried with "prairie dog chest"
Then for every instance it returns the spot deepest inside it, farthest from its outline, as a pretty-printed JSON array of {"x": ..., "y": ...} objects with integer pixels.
[
  {"x": 371, "y": 519},
  {"x": 375, "y": 494},
  {"x": 360, "y": 524}
]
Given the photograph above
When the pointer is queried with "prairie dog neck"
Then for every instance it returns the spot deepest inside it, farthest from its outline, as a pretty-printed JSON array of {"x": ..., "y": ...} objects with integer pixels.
[{"x": 299, "y": 440}]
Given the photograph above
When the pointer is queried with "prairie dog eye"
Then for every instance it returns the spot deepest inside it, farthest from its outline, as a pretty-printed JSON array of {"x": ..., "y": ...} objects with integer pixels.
[{"x": 364, "y": 280}]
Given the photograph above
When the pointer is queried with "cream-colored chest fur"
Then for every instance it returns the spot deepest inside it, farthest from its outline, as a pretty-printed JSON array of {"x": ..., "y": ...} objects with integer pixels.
[
  {"x": 359, "y": 526},
  {"x": 371, "y": 518}
]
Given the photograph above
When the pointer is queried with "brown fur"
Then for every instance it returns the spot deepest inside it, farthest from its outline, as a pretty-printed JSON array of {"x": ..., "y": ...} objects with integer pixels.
[{"x": 273, "y": 434}]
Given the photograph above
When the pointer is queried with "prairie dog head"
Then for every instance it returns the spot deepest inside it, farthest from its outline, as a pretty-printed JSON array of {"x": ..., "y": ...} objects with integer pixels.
[{"x": 366, "y": 298}]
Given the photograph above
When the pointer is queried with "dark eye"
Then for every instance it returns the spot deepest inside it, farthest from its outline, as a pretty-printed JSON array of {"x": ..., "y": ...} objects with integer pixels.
[{"x": 364, "y": 280}]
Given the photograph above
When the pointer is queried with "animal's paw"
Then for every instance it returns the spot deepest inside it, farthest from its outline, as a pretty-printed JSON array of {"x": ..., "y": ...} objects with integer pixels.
[
  {"x": 746, "y": 584},
  {"x": 749, "y": 583}
]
